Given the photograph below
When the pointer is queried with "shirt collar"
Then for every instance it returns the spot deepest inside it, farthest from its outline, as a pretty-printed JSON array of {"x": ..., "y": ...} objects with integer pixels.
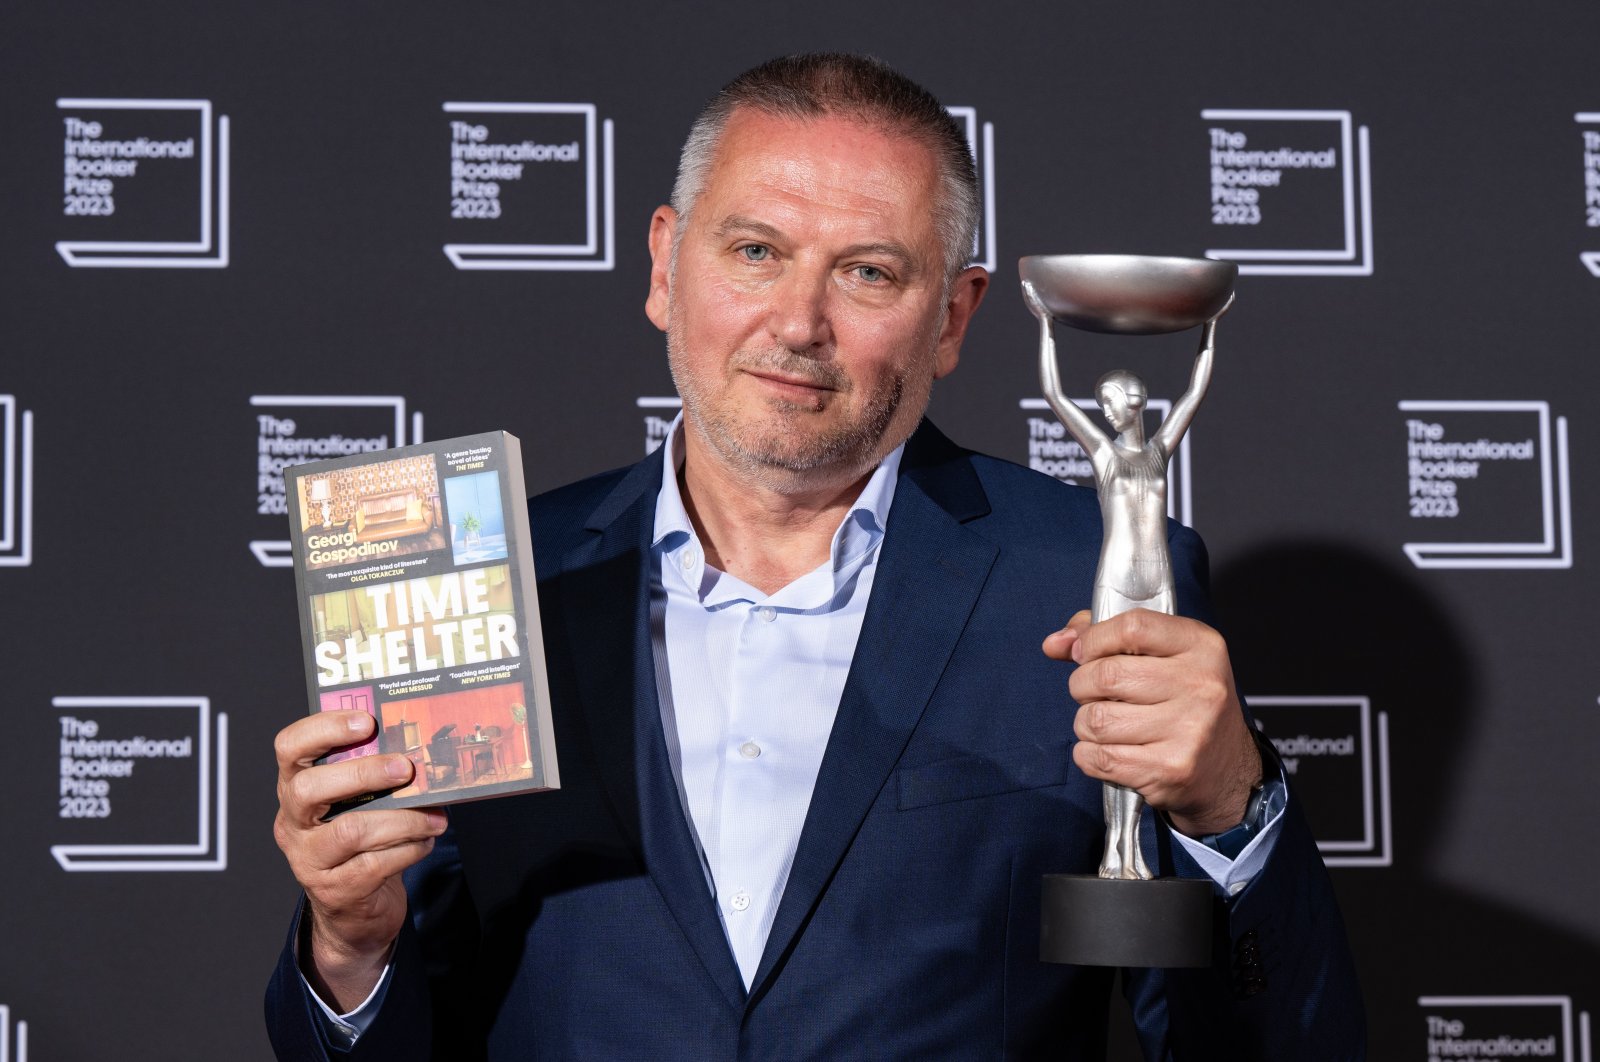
[{"x": 855, "y": 540}]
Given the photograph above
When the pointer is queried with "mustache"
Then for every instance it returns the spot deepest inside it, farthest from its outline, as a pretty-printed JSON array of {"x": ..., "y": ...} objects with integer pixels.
[{"x": 794, "y": 366}]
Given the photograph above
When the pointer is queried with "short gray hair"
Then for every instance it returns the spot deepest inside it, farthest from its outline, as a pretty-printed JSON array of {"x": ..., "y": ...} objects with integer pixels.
[{"x": 850, "y": 86}]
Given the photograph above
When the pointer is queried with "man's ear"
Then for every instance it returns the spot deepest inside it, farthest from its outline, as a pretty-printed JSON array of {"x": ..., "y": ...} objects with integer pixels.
[
  {"x": 663, "y": 229},
  {"x": 966, "y": 292}
]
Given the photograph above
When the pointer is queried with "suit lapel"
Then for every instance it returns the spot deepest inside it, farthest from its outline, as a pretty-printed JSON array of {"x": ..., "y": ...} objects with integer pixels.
[
  {"x": 606, "y": 601},
  {"x": 911, "y": 627}
]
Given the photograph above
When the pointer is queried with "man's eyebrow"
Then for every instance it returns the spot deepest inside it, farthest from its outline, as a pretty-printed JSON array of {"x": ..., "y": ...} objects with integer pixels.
[
  {"x": 746, "y": 226},
  {"x": 884, "y": 249}
]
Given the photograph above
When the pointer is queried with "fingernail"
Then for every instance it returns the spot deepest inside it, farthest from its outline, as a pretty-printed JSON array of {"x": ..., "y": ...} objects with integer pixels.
[
  {"x": 1077, "y": 651},
  {"x": 437, "y": 821},
  {"x": 397, "y": 768},
  {"x": 358, "y": 723}
]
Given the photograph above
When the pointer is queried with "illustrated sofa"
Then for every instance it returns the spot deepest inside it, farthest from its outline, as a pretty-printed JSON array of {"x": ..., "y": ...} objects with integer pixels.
[{"x": 391, "y": 514}]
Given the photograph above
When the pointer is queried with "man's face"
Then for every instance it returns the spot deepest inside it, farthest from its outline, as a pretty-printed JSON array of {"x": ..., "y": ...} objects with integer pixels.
[{"x": 806, "y": 315}]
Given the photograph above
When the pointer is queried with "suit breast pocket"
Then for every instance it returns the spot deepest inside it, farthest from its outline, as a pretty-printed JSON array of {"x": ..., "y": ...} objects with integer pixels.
[{"x": 971, "y": 776}]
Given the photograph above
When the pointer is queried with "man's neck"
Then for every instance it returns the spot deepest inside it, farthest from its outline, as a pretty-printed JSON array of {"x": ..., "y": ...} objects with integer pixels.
[{"x": 762, "y": 535}]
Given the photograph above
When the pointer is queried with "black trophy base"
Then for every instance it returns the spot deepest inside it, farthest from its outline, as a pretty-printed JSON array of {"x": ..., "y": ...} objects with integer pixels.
[{"x": 1092, "y": 921}]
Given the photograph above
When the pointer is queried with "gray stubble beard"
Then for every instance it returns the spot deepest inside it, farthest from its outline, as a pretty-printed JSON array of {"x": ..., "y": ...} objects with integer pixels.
[{"x": 786, "y": 463}]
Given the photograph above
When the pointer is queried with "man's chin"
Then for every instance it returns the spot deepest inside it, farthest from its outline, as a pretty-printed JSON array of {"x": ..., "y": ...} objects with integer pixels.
[{"x": 794, "y": 460}]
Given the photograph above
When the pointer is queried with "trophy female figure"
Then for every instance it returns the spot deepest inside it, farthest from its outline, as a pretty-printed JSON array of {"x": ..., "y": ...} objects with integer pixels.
[{"x": 1130, "y": 472}]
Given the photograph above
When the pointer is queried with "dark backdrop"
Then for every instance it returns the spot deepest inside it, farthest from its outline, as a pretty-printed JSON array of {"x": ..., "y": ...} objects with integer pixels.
[{"x": 1415, "y": 637}]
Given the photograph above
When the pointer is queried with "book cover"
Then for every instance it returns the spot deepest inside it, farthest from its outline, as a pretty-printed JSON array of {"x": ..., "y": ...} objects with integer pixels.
[{"x": 414, "y": 571}]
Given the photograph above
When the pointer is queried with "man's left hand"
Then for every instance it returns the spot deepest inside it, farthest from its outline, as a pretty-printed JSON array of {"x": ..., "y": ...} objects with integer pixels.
[{"x": 1158, "y": 713}]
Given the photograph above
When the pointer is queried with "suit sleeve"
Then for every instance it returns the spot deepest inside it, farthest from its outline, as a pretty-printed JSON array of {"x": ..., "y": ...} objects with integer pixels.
[
  {"x": 422, "y": 984},
  {"x": 1282, "y": 982}
]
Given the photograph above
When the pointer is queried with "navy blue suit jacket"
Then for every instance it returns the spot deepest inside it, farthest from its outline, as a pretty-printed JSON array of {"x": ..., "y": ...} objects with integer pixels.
[{"x": 578, "y": 924}]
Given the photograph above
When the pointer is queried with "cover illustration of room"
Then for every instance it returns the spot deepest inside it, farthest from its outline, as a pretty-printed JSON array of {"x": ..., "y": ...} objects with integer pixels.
[{"x": 392, "y": 502}]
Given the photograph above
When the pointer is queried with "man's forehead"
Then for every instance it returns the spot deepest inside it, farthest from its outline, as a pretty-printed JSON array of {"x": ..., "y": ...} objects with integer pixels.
[
  {"x": 751, "y": 131},
  {"x": 857, "y": 179}
]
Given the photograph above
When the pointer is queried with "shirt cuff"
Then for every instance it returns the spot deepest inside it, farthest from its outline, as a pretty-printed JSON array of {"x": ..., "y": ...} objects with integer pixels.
[
  {"x": 345, "y": 1029},
  {"x": 1232, "y": 875}
]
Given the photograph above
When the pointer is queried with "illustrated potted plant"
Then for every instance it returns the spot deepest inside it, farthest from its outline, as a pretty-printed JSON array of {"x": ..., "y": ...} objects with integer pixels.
[
  {"x": 471, "y": 525},
  {"x": 519, "y": 714}
]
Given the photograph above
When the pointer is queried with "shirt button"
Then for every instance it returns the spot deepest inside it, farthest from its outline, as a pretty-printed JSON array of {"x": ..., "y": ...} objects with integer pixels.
[
  {"x": 741, "y": 900},
  {"x": 767, "y": 613},
  {"x": 688, "y": 559},
  {"x": 749, "y": 750}
]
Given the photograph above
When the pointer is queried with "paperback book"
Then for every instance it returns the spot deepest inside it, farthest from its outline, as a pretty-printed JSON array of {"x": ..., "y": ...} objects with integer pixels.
[{"x": 414, "y": 571}]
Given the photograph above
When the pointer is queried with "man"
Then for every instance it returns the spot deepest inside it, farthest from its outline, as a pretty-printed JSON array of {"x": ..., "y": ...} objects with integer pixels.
[{"x": 812, "y": 765}]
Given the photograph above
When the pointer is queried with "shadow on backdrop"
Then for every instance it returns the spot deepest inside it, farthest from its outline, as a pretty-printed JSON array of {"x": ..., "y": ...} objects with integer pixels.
[{"x": 1321, "y": 617}]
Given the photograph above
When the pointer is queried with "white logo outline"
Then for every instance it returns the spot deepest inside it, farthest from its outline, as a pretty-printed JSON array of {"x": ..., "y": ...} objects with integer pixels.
[
  {"x": 1590, "y": 259},
  {"x": 1290, "y": 262},
  {"x": 16, "y": 477},
  {"x": 66, "y": 855},
  {"x": 672, "y": 402},
  {"x": 469, "y": 256},
  {"x": 1563, "y": 1002},
  {"x": 1376, "y": 846},
  {"x": 983, "y": 243},
  {"x": 5, "y": 1036},
  {"x": 276, "y": 553},
  {"x": 164, "y": 254},
  {"x": 1555, "y": 498}
]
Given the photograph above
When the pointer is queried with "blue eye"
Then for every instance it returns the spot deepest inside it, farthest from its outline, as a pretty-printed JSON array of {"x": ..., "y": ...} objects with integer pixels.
[
  {"x": 871, "y": 274},
  {"x": 755, "y": 252}
]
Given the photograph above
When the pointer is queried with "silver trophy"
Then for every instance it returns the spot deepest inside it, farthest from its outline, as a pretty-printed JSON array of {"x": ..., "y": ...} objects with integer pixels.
[{"x": 1124, "y": 915}]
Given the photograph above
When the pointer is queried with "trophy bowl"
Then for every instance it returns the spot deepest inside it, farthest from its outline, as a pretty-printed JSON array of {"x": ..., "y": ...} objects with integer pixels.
[{"x": 1130, "y": 294}]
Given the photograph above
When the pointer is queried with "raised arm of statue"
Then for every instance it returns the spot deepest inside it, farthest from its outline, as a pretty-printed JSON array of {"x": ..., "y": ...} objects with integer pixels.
[
  {"x": 1167, "y": 437},
  {"x": 1095, "y": 442}
]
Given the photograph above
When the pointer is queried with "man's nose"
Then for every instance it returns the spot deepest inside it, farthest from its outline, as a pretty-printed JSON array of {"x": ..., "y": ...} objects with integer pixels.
[{"x": 800, "y": 308}]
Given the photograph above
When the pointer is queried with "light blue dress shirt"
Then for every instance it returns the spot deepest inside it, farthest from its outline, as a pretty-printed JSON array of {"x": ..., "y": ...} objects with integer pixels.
[{"x": 749, "y": 684}]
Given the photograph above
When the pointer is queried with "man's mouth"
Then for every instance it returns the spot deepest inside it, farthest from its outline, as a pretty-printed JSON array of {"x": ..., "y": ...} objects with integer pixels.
[
  {"x": 803, "y": 384},
  {"x": 783, "y": 380}
]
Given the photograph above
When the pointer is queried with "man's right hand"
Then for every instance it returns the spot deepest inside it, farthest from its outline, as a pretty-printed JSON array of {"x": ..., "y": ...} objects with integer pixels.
[{"x": 350, "y": 865}]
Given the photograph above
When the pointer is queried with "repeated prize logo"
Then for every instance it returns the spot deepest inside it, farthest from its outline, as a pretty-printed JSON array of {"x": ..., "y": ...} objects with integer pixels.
[
  {"x": 145, "y": 184},
  {"x": 143, "y": 784},
  {"x": 16, "y": 484},
  {"x": 1511, "y": 1026},
  {"x": 980, "y": 139},
  {"x": 1589, "y": 123},
  {"x": 1289, "y": 191},
  {"x": 1488, "y": 484},
  {"x": 295, "y": 429},
  {"x": 658, "y": 412},
  {"x": 532, "y": 186},
  {"x": 13, "y": 1036},
  {"x": 1049, "y": 448},
  {"x": 1335, "y": 751}
]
